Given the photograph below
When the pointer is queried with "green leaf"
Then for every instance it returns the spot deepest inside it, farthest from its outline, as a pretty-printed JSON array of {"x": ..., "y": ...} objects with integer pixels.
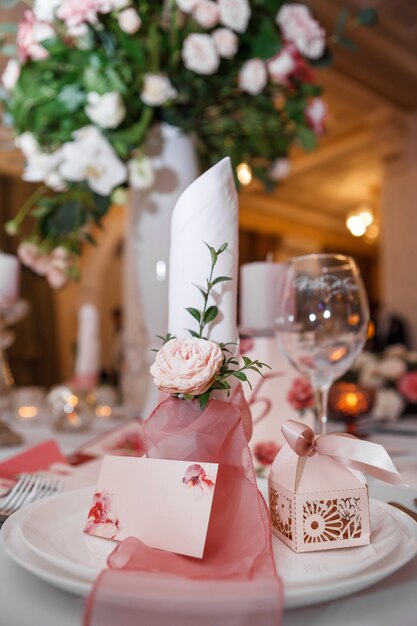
[
  {"x": 220, "y": 279},
  {"x": 222, "y": 248},
  {"x": 348, "y": 43},
  {"x": 194, "y": 312},
  {"x": 247, "y": 361},
  {"x": 342, "y": 21},
  {"x": 213, "y": 254},
  {"x": 241, "y": 376},
  {"x": 307, "y": 138},
  {"x": 210, "y": 314},
  {"x": 201, "y": 290},
  {"x": 266, "y": 43},
  {"x": 193, "y": 333},
  {"x": 367, "y": 17},
  {"x": 101, "y": 205},
  {"x": 203, "y": 399}
]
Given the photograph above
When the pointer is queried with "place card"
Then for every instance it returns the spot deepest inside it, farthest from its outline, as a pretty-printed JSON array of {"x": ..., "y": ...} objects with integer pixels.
[{"x": 164, "y": 503}]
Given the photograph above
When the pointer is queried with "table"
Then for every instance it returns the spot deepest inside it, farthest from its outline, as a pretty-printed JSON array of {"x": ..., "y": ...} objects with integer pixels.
[{"x": 27, "y": 601}]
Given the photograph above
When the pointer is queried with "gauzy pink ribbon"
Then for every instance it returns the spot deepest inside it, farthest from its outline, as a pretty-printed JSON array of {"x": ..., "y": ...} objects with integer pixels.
[{"x": 365, "y": 456}]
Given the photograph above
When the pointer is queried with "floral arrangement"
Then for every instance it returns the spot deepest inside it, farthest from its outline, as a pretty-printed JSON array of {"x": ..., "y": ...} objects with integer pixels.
[
  {"x": 194, "y": 367},
  {"x": 393, "y": 376},
  {"x": 92, "y": 76}
]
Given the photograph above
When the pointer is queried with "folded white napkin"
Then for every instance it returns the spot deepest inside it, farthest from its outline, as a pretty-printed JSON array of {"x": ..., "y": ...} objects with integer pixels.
[{"x": 206, "y": 212}]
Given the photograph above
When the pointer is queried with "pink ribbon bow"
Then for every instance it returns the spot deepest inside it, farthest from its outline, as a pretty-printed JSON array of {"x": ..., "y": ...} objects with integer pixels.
[{"x": 345, "y": 449}]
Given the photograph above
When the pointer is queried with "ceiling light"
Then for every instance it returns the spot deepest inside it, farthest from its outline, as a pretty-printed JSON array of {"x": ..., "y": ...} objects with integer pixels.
[
  {"x": 356, "y": 226},
  {"x": 244, "y": 173}
]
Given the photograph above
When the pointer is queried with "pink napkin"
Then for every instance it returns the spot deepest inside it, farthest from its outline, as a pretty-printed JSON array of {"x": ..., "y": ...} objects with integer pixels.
[
  {"x": 235, "y": 584},
  {"x": 40, "y": 457}
]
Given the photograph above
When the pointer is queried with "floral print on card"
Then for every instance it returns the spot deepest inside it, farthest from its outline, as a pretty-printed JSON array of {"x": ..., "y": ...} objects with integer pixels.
[
  {"x": 102, "y": 520},
  {"x": 195, "y": 477}
]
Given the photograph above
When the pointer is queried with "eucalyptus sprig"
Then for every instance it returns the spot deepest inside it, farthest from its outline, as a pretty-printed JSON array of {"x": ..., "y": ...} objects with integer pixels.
[{"x": 208, "y": 313}]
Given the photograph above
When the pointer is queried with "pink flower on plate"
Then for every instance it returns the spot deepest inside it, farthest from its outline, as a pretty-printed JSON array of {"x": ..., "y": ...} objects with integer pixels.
[
  {"x": 186, "y": 366},
  {"x": 195, "y": 476},
  {"x": 299, "y": 26},
  {"x": 101, "y": 521},
  {"x": 301, "y": 394},
  {"x": 30, "y": 34},
  {"x": 316, "y": 114},
  {"x": 266, "y": 451},
  {"x": 407, "y": 386}
]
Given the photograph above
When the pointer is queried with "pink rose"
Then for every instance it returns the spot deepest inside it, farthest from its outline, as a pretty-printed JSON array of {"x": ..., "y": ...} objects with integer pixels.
[
  {"x": 280, "y": 169},
  {"x": 407, "y": 386},
  {"x": 56, "y": 277},
  {"x": 253, "y": 76},
  {"x": 130, "y": 21},
  {"x": 199, "y": 54},
  {"x": 186, "y": 366},
  {"x": 29, "y": 35},
  {"x": 41, "y": 264},
  {"x": 28, "y": 253},
  {"x": 299, "y": 27},
  {"x": 265, "y": 452},
  {"x": 301, "y": 394},
  {"x": 282, "y": 65},
  {"x": 235, "y": 14},
  {"x": 316, "y": 114},
  {"x": 206, "y": 13},
  {"x": 77, "y": 12},
  {"x": 226, "y": 42}
]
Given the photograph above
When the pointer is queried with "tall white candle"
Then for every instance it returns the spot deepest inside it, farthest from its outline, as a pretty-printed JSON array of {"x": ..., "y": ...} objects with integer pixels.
[
  {"x": 87, "y": 363},
  {"x": 259, "y": 292},
  {"x": 9, "y": 278}
]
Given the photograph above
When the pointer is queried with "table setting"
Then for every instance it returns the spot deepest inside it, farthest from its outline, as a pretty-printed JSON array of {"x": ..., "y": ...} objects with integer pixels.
[{"x": 153, "y": 517}]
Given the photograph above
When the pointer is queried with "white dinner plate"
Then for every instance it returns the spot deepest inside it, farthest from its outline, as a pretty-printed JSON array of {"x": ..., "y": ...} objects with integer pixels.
[
  {"x": 305, "y": 575},
  {"x": 54, "y": 531}
]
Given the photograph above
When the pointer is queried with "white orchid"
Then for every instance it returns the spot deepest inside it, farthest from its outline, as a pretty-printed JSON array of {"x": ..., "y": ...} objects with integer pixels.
[
  {"x": 107, "y": 110},
  {"x": 90, "y": 157}
]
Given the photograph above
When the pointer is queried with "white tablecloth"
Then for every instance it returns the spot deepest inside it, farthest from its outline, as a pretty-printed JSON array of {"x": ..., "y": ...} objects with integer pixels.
[{"x": 27, "y": 601}]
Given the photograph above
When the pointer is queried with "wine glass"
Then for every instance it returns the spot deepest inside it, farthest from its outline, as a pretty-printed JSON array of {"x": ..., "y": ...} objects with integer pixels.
[{"x": 322, "y": 320}]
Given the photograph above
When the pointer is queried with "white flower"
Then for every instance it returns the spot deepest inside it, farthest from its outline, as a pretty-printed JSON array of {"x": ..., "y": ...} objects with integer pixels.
[
  {"x": 253, "y": 76},
  {"x": 90, "y": 157},
  {"x": 27, "y": 143},
  {"x": 141, "y": 173},
  {"x": 107, "y": 111},
  {"x": 235, "y": 14},
  {"x": 392, "y": 368},
  {"x": 119, "y": 196},
  {"x": 44, "y": 10},
  {"x": 280, "y": 169},
  {"x": 157, "y": 89},
  {"x": 299, "y": 27},
  {"x": 11, "y": 74},
  {"x": 117, "y": 5},
  {"x": 226, "y": 42},
  {"x": 281, "y": 65},
  {"x": 388, "y": 405},
  {"x": 199, "y": 54},
  {"x": 187, "y": 5},
  {"x": 129, "y": 21},
  {"x": 369, "y": 376},
  {"x": 206, "y": 13},
  {"x": 365, "y": 359}
]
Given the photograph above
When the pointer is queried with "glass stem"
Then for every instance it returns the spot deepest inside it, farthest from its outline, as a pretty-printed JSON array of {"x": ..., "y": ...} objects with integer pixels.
[{"x": 322, "y": 398}]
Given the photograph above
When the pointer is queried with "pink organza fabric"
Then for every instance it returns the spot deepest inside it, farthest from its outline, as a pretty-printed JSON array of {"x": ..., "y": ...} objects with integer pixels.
[{"x": 235, "y": 584}]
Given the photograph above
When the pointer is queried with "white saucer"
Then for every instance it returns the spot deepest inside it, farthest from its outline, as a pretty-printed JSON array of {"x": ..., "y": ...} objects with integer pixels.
[{"x": 63, "y": 556}]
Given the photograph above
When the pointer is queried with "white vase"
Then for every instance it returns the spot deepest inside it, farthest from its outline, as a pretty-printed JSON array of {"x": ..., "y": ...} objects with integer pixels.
[{"x": 146, "y": 260}]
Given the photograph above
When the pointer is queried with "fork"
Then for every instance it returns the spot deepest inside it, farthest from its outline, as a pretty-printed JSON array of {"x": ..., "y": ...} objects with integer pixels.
[{"x": 28, "y": 489}]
